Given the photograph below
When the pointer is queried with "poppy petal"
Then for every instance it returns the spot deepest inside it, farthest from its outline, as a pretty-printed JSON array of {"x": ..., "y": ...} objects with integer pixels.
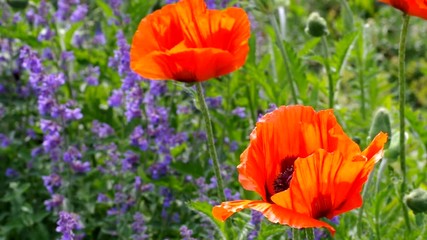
[
  {"x": 284, "y": 135},
  {"x": 326, "y": 184},
  {"x": 375, "y": 149},
  {"x": 272, "y": 212}
]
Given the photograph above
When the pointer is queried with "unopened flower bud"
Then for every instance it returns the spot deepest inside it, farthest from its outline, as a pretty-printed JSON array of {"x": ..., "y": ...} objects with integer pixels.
[
  {"x": 417, "y": 200},
  {"x": 316, "y": 25},
  {"x": 381, "y": 123}
]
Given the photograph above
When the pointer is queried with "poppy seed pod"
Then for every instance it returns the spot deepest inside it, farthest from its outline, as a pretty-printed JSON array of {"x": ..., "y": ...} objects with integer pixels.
[
  {"x": 381, "y": 123},
  {"x": 316, "y": 25},
  {"x": 417, "y": 200}
]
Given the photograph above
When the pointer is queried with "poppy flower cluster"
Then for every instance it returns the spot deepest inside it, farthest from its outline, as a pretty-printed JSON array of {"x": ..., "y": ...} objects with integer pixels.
[
  {"x": 417, "y": 8},
  {"x": 304, "y": 167},
  {"x": 187, "y": 42}
]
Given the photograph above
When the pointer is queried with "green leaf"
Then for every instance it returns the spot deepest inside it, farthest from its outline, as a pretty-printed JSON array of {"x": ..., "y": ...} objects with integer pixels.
[
  {"x": 342, "y": 52},
  {"x": 106, "y": 9},
  {"x": 205, "y": 209}
]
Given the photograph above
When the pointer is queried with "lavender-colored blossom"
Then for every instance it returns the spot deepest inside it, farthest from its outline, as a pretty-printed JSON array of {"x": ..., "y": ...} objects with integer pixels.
[
  {"x": 200, "y": 135},
  {"x": 256, "y": 223},
  {"x": 130, "y": 162},
  {"x": 138, "y": 227},
  {"x": 160, "y": 169},
  {"x": 16, "y": 18},
  {"x": 11, "y": 173},
  {"x": 4, "y": 141},
  {"x": 230, "y": 196},
  {"x": 47, "y": 54},
  {"x": 46, "y": 34},
  {"x": 214, "y": 102},
  {"x": 36, "y": 152},
  {"x": 54, "y": 202},
  {"x": 78, "y": 39},
  {"x": 79, "y": 13},
  {"x": 72, "y": 154},
  {"x": 73, "y": 114},
  {"x": 48, "y": 126},
  {"x": 51, "y": 182},
  {"x": 102, "y": 198},
  {"x": 91, "y": 75},
  {"x": 99, "y": 38},
  {"x": 239, "y": 111},
  {"x": 80, "y": 167},
  {"x": 101, "y": 130},
  {"x": 67, "y": 223},
  {"x": 29, "y": 60},
  {"x": 67, "y": 56},
  {"x": 138, "y": 139},
  {"x": 186, "y": 233},
  {"x": 45, "y": 104},
  {"x": 116, "y": 98},
  {"x": 51, "y": 141}
]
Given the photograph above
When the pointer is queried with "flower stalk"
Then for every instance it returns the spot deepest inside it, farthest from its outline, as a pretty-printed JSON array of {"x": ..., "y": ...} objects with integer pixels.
[
  {"x": 328, "y": 71},
  {"x": 402, "y": 102},
  {"x": 211, "y": 143}
]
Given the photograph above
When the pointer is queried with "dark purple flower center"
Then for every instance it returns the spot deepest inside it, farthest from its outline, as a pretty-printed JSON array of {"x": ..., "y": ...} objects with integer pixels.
[{"x": 283, "y": 180}]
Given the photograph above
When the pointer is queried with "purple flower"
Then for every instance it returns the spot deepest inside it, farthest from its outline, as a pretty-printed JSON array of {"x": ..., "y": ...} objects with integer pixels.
[
  {"x": 51, "y": 141},
  {"x": 11, "y": 173},
  {"x": 29, "y": 60},
  {"x": 186, "y": 233},
  {"x": 73, "y": 114},
  {"x": 214, "y": 102},
  {"x": 130, "y": 162},
  {"x": 91, "y": 75},
  {"x": 67, "y": 223},
  {"x": 54, "y": 202},
  {"x": 4, "y": 141},
  {"x": 52, "y": 181},
  {"x": 79, "y": 13},
  {"x": 138, "y": 227},
  {"x": 230, "y": 196},
  {"x": 48, "y": 126},
  {"x": 256, "y": 222},
  {"x": 36, "y": 152},
  {"x": 102, "y": 198},
  {"x": 101, "y": 130},
  {"x": 45, "y": 34},
  {"x": 99, "y": 38},
  {"x": 138, "y": 139},
  {"x": 80, "y": 167},
  {"x": 116, "y": 98},
  {"x": 240, "y": 112},
  {"x": 72, "y": 154}
]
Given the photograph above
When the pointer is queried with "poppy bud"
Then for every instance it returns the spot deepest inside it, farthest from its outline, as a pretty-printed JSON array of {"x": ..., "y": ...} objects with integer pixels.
[
  {"x": 18, "y": 4},
  {"x": 316, "y": 25},
  {"x": 417, "y": 200},
  {"x": 381, "y": 123}
]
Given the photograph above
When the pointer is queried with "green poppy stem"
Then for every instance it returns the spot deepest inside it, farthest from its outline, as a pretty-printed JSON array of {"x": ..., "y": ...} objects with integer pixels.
[
  {"x": 211, "y": 143},
  {"x": 402, "y": 102},
  {"x": 328, "y": 71}
]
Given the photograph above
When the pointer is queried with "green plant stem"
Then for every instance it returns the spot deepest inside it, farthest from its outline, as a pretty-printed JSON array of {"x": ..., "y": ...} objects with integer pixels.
[
  {"x": 211, "y": 143},
  {"x": 284, "y": 56},
  {"x": 402, "y": 102},
  {"x": 328, "y": 71},
  {"x": 360, "y": 215},
  {"x": 309, "y": 233}
]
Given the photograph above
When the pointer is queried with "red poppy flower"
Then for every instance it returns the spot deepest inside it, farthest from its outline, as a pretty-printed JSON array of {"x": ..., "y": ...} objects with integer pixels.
[
  {"x": 304, "y": 167},
  {"x": 417, "y": 8},
  {"x": 189, "y": 43}
]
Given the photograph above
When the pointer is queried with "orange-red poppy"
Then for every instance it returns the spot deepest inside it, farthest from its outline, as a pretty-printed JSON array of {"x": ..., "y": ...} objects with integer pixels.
[
  {"x": 417, "y": 8},
  {"x": 304, "y": 167},
  {"x": 187, "y": 42}
]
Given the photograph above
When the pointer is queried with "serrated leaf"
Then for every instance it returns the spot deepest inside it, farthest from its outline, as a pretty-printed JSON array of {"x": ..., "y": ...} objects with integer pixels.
[
  {"x": 308, "y": 46},
  {"x": 298, "y": 70},
  {"x": 205, "y": 209},
  {"x": 342, "y": 52}
]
